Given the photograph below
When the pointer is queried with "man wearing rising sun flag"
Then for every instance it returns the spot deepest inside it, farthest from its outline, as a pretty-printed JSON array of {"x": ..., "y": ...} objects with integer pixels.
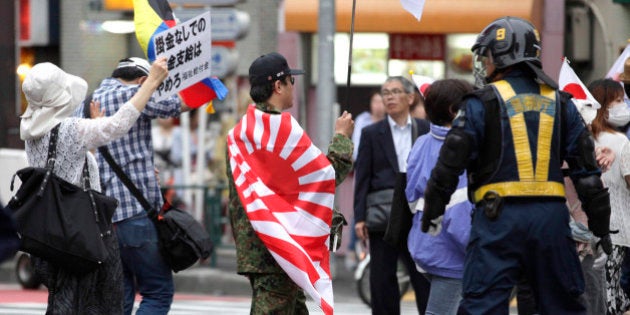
[
  {"x": 282, "y": 190},
  {"x": 152, "y": 17}
]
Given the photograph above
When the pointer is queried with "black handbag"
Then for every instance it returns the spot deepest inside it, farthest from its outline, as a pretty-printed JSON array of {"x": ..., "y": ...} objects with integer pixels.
[
  {"x": 60, "y": 222},
  {"x": 183, "y": 240},
  {"x": 379, "y": 207}
]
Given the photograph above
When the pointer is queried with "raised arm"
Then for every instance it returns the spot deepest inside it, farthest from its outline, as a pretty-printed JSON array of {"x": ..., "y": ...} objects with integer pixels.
[
  {"x": 102, "y": 130},
  {"x": 157, "y": 74}
]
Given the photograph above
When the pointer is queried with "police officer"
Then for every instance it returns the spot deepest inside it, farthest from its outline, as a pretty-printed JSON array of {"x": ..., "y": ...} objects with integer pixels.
[{"x": 512, "y": 135}]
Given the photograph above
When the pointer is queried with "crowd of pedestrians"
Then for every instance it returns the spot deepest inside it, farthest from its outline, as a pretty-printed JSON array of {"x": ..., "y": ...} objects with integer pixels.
[
  {"x": 487, "y": 189},
  {"x": 513, "y": 187}
]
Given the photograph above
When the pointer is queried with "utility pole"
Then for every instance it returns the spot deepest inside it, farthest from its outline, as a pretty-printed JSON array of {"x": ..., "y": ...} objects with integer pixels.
[
  {"x": 8, "y": 78},
  {"x": 326, "y": 90}
]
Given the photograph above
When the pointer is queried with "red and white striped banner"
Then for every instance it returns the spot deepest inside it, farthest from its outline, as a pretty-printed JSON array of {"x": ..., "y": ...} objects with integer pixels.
[{"x": 287, "y": 187}]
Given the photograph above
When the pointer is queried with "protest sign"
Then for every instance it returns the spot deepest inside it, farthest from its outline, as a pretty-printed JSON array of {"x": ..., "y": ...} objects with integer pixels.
[{"x": 187, "y": 48}]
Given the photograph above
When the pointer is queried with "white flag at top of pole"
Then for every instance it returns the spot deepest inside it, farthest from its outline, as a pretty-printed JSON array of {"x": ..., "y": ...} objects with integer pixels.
[
  {"x": 570, "y": 82},
  {"x": 617, "y": 67},
  {"x": 414, "y": 7}
]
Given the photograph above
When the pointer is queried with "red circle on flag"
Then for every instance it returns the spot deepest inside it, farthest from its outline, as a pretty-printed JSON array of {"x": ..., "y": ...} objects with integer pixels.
[{"x": 576, "y": 90}]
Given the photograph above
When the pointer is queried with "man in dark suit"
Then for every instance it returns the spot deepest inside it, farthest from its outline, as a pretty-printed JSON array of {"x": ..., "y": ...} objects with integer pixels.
[{"x": 383, "y": 152}]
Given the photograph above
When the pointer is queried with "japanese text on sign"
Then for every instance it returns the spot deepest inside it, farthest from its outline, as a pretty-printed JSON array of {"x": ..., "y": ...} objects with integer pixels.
[{"x": 187, "y": 48}]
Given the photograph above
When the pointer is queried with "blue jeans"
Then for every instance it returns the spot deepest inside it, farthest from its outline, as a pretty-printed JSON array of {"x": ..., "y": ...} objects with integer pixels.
[
  {"x": 444, "y": 296},
  {"x": 144, "y": 268}
]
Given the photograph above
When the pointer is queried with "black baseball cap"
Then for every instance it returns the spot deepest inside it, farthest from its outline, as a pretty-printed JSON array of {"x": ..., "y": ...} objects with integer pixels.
[{"x": 270, "y": 67}]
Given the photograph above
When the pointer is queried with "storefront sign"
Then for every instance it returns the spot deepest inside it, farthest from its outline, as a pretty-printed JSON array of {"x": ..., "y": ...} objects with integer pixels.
[{"x": 417, "y": 46}]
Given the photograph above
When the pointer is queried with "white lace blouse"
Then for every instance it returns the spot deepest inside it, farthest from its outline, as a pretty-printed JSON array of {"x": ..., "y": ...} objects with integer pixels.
[
  {"x": 77, "y": 136},
  {"x": 614, "y": 180}
]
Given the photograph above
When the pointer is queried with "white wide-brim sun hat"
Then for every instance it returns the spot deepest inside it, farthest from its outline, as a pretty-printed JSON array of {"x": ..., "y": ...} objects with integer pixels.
[{"x": 52, "y": 95}]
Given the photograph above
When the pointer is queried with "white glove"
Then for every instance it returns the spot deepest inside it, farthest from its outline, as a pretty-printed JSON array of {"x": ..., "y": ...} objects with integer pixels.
[
  {"x": 600, "y": 260},
  {"x": 434, "y": 230}
]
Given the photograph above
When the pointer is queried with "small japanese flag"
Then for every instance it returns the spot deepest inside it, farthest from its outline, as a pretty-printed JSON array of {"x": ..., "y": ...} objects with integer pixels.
[
  {"x": 569, "y": 82},
  {"x": 617, "y": 67},
  {"x": 422, "y": 82},
  {"x": 414, "y": 7}
]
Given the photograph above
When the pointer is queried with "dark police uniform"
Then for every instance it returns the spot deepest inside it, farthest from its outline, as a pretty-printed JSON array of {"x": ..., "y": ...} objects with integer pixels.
[
  {"x": 512, "y": 136},
  {"x": 519, "y": 159}
]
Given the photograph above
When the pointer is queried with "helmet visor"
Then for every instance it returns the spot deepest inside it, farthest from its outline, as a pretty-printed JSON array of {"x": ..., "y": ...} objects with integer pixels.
[{"x": 480, "y": 68}]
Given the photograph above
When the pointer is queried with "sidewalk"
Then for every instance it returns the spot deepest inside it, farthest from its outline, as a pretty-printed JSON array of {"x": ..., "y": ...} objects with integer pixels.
[
  {"x": 201, "y": 278},
  {"x": 220, "y": 279}
]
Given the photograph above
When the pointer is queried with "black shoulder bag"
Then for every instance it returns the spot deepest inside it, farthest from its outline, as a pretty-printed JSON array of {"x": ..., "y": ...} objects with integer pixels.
[
  {"x": 60, "y": 222},
  {"x": 183, "y": 241}
]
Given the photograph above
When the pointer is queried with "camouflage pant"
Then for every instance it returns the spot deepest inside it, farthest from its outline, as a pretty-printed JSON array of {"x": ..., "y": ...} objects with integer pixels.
[{"x": 276, "y": 293}]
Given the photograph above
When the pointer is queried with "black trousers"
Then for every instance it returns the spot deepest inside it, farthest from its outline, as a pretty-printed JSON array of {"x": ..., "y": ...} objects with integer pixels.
[{"x": 384, "y": 290}]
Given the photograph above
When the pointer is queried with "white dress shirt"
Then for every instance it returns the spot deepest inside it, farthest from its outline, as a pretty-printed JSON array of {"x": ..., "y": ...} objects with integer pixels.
[{"x": 402, "y": 141}]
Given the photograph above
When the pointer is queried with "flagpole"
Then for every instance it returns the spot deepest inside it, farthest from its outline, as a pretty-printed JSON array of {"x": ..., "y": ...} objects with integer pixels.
[{"x": 347, "y": 104}]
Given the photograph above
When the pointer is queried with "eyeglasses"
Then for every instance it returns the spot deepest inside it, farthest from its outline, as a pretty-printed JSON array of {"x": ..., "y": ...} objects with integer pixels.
[
  {"x": 396, "y": 92},
  {"x": 283, "y": 79}
]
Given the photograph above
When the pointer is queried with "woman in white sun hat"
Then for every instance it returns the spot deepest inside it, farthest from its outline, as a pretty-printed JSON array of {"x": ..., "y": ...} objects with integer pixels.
[{"x": 53, "y": 96}]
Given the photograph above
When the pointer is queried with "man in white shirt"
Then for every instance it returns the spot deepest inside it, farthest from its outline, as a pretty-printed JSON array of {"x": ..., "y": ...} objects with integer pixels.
[{"x": 383, "y": 151}]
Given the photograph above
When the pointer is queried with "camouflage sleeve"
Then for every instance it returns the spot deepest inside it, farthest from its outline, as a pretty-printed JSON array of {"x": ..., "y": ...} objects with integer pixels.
[
  {"x": 233, "y": 201},
  {"x": 340, "y": 156}
]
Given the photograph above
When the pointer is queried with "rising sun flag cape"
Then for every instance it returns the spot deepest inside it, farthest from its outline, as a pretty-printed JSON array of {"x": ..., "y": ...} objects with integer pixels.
[
  {"x": 287, "y": 188},
  {"x": 154, "y": 16}
]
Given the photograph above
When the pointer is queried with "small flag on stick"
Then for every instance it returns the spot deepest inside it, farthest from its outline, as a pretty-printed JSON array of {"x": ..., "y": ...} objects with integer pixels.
[
  {"x": 568, "y": 81},
  {"x": 617, "y": 67}
]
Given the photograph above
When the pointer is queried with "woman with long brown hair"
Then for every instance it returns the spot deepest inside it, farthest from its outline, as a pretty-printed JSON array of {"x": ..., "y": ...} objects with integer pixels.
[{"x": 614, "y": 114}]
